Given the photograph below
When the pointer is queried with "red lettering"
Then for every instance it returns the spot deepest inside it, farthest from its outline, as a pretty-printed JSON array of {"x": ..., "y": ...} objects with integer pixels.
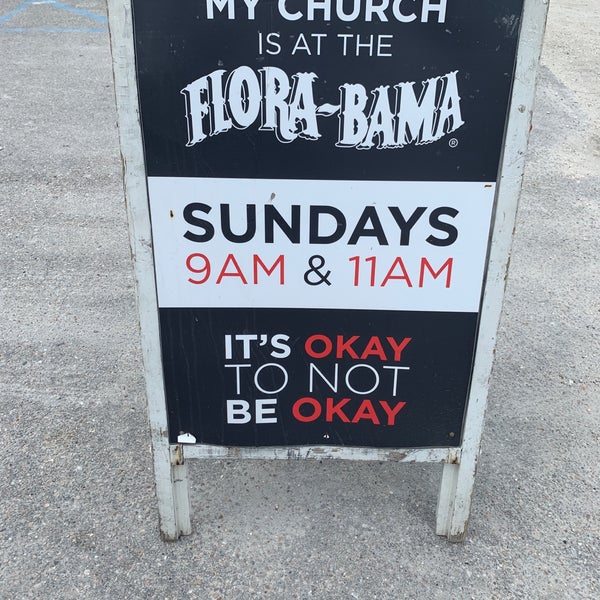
[
  {"x": 308, "y": 346},
  {"x": 278, "y": 263},
  {"x": 203, "y": 269},
  {"x": 391, "y": 412},
  {"x": 346, "y": 346},
  {"x": 307, "y": 410},
  {"x": 435, "y": 274},
  {"x": 366, "y": 410},
  {"x": 400, "y": 264},
  {"x": 374, "y": 348},
  {"x": 332, "y": 409},
  {"x": 302, "y": 402},
  {"x": 237, "y": 272},
  {"x": 397, "y": 348}
]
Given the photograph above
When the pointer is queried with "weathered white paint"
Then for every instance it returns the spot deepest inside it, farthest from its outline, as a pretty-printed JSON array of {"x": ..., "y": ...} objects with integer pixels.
[
  {"x": 429, "y": 455},
  {"x": 458, "y": 504},
  {"x": 446, "y": 498},
  {"x": 181, "y": 496},
  {"x": 173, "y": 522}
]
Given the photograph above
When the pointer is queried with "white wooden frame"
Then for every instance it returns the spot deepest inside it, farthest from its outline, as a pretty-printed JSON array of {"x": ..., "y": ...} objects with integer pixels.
[{"x": 454, "y": 502}]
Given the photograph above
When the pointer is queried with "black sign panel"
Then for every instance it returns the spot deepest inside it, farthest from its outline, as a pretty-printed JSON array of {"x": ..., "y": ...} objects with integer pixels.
[
  {"x": 178, "y": 44},
  {"x": 347, "y": 377},
  {"x": 321, "y": 178}
]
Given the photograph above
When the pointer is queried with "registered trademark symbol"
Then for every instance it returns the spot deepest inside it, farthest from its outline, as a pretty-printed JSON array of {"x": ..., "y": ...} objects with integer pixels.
[{"x": 453, "y": 143}]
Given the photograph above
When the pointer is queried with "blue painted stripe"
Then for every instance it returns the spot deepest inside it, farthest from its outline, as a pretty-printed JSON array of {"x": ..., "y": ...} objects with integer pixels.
[
  {"x": 15, "y": 11},
  {"x": 78, "y": 11},
  {"x": 52, "y": 29},
  {"x": 61, "y": 6}
]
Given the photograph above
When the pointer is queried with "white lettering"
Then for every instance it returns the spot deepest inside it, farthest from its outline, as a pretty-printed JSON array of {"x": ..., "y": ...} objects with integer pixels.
[
  {"x": 428, "y": 7},
  {"x": 386, "y": 118},
  {"x": 266, "y": 406},
  {"x": 382, "y": 11},
  {"x": 283, "y": 11},
  {"x": 238, "y": 412},
  {"x": 220, "y": 5}
]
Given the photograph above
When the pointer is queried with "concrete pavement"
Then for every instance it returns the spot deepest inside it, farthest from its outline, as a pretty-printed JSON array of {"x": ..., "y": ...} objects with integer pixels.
[{"x": 78, "y": 515}]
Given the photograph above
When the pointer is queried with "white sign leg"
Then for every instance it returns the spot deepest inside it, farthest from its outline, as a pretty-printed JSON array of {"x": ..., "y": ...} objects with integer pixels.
[
  {"x": 169, "y": 468},
  {"x": 446, "y": 498},
  {"x": 456, "y": 490}
]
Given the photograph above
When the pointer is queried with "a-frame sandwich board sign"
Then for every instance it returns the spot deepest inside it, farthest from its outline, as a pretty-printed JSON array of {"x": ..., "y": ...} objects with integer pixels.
[{"x": 321, "y": 198}]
